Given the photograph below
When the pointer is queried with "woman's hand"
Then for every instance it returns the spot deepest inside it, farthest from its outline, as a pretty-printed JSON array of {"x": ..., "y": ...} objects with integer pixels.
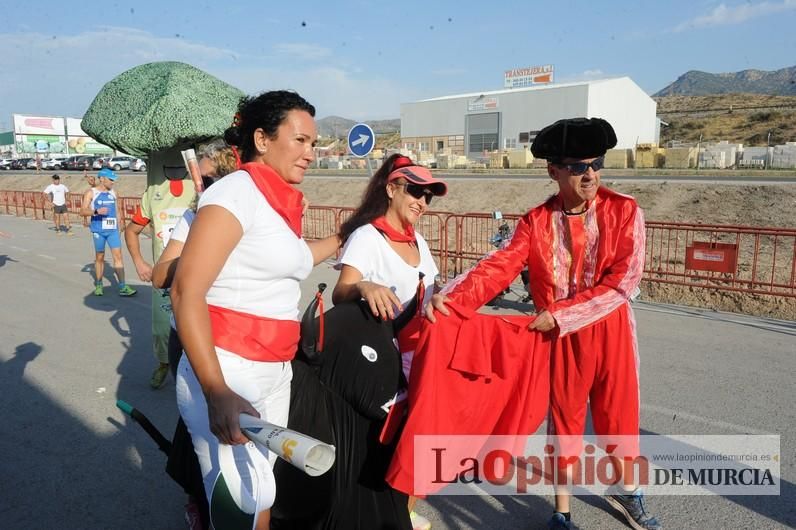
[
  {"x": 437, "y": 303},
  {"x": 224, "y": 408},
  {"x": 381, "y": 299}
]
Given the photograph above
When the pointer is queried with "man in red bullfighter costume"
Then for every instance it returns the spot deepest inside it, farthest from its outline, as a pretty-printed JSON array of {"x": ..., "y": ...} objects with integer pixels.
[{"x": 584, "y": 248}]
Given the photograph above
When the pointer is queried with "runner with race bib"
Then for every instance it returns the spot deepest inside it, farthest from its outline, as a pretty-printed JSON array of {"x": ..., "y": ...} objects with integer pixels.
[{"x": 100, "y": 204}]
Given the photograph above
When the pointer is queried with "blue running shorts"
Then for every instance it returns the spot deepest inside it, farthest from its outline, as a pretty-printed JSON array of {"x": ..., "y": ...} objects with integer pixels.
[{"x": 109, "y": 236}]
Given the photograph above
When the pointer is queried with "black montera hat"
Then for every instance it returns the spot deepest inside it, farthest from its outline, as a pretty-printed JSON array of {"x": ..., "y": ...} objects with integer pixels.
[{"x": 574, "y": 138}]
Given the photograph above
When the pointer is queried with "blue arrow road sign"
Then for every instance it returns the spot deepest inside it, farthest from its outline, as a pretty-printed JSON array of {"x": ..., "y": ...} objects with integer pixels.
[{"x": 361, "y": 139}]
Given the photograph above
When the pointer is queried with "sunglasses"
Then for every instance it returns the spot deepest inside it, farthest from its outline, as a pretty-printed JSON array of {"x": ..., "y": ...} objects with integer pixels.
[
  {"x": 417, "y": 191},
  {"x": 579, "y": 168}
]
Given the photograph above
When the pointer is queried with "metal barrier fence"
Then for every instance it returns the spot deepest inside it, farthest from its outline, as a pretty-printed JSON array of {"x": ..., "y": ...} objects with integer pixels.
[
  {"x": 468, "y": 237},
  {"x": 726, "y": 258}
]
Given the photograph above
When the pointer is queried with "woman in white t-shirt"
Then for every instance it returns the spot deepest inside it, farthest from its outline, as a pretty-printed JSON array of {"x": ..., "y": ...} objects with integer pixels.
[
  {"x": 235, "y": 298},
  {"x": 384, "y": 260}
]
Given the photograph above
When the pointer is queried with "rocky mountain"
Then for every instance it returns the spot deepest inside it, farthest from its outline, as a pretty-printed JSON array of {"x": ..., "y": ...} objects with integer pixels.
[
  {"x": 780, "y": 82},
  {"x": 338, "y": 127},
  {"x": 750, "y": 119}
]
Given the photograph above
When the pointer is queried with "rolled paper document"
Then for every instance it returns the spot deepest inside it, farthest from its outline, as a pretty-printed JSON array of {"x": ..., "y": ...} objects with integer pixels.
[
  {"x": 189, "y": 157},
  {"x": 304, "y": 452}
]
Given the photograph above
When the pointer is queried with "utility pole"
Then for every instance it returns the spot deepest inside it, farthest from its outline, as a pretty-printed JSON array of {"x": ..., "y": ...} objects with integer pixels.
[
  {"x": 699, "y": 143},
  {"x": 768, "y": 146},
  {"x": 66, "y": 135}
]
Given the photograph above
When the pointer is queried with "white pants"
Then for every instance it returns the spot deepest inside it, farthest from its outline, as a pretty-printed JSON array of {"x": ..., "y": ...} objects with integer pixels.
[{"x": 266, "y": 385}]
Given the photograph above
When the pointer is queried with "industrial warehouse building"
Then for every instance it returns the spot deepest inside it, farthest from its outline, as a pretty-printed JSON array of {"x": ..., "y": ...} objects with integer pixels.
[{"x": 474, "y": 124}]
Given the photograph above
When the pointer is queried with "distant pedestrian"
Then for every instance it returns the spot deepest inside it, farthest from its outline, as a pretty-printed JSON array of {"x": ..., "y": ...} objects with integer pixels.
[
  {"x": 90, "y": 180},
  {"x": 56, "y": 194},
  {"x": 100, "y": 204}
]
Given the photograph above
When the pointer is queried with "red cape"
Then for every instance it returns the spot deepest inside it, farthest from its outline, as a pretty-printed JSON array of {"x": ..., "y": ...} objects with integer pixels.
[{"x": 484, "y": 375}]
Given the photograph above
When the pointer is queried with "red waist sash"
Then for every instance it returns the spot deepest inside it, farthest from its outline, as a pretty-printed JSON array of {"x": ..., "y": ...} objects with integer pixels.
[{"x": 253, "y": 337}]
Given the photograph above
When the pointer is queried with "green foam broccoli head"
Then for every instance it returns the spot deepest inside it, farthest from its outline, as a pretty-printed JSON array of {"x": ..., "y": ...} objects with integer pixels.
[{"x": 160, "y": 105}]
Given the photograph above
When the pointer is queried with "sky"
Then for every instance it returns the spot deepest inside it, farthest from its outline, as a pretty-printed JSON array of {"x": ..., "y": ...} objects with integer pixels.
[{"x": 361, "y": 59}]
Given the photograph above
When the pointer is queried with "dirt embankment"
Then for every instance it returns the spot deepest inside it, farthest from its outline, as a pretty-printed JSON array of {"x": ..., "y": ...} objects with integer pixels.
[{"x": 709, "y": 203}]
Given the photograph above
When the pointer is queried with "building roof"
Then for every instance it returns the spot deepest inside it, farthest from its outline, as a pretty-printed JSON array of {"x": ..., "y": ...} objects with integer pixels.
[{"x": 551, "y": 86}]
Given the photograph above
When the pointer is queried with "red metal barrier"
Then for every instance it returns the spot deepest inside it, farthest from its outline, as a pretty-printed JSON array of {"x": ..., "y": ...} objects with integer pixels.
[
  {"x": 35, "y": 200},
  {"x": 343, "y": 214},
  {"x": 127, "y": 206},
  {"x": 6, "y": 201},
  {"x": 433, "y": 228},
  {"x": 319, "y": 222},
  {"x": 721, "y": 257},
  {"x": 74, "y": 201},
  {"x": 758, "y": 260},
  {"x": 31, "y": 206},
  {"x": 469, "y": 236}
]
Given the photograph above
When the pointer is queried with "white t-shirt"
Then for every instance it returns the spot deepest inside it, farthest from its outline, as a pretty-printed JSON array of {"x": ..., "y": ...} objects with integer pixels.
[
  {"x": 369, "y": 252},
  {"x": 59, "y": 192},
  {"x": 262, "y": 274},
  {"x": 183, "y": 226}
]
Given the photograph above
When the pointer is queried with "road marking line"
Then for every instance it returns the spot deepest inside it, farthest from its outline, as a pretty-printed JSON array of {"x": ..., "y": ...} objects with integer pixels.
[
  {"x": 742, "y": 429},
  {"x": 20, "y": 248},
  {"x": 46, "y": 256}
]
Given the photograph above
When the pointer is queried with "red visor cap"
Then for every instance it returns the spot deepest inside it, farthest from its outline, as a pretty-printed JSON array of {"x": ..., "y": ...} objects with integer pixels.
[{"x": 422, "y": 177}]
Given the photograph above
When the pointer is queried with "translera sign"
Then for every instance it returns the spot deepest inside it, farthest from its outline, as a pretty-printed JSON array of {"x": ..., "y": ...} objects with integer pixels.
[{"x": 529, "y": 76}]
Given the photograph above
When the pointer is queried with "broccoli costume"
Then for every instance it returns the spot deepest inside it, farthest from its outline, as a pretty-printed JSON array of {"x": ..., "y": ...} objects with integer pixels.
[
  {"x": 155, "y": 110},
  {"x": 158, "y": 106}
]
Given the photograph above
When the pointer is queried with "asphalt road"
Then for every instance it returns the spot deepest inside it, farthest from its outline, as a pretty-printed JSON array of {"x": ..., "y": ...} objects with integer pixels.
[{"x": 71, "y": 460}]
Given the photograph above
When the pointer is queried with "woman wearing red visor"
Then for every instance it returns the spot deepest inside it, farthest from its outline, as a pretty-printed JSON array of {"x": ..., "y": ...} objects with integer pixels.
[{"x": 385, "y": 261}]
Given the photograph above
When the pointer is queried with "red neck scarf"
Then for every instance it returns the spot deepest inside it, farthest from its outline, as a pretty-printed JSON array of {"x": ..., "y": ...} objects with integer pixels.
[
  {"x": 407, "y": 236},
  {"x": 283, "y": 198}
]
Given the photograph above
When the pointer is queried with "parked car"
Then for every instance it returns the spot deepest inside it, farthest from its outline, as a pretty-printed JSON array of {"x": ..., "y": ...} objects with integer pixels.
[
  {"x": 139, "y": 164},
  {"x": 33, "y": 164},
  {"x": 85, "y": 162},
  {"x": 5, "y": 163},
  {"x": 71, "y": 162},
  {"x": 20, "y": 163},
  {"x": 100, "y": 162},
  {"x": 120, "y": 162},
  {"x": 51, "y": 163}
]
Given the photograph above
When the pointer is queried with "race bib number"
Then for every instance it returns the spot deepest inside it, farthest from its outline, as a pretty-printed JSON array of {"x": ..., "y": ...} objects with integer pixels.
[
  {"x": 165, "y": 233},
  {"x": 109, "y": 223}
]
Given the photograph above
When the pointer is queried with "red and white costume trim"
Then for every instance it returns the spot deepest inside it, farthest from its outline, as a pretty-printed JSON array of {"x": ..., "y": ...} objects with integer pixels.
[{"x": 583, "y": 270}]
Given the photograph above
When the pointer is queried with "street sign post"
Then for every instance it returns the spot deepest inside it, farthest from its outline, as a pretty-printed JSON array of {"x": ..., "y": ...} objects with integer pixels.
[{"x": 361, "y": 140}]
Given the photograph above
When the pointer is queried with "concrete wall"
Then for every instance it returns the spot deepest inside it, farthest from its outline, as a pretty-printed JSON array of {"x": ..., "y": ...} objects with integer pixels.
[
  {"x": 532, "y": 110},
  {"x": 628, "y": 108},
  {"x": 433, "y": 118}
]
